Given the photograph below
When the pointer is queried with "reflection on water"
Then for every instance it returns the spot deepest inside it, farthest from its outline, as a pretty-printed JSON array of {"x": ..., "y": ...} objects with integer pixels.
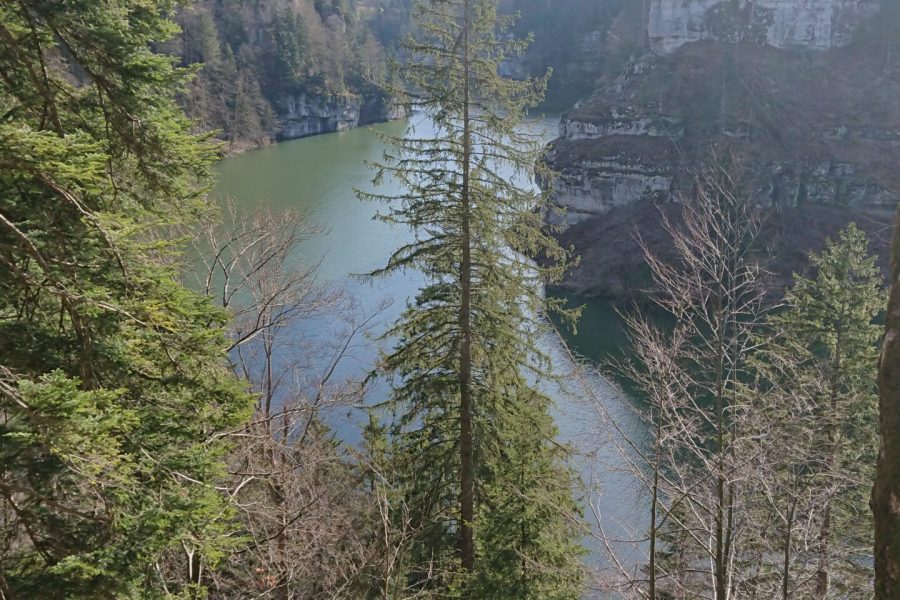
[{"x": 318, "y": 176}]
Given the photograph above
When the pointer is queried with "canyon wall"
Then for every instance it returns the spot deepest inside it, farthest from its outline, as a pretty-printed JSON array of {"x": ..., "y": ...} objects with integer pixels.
[
  {"x": 304, "y": 114},
  {"x": 814, "y": 24},
  {"x": 807, "y": 103}
]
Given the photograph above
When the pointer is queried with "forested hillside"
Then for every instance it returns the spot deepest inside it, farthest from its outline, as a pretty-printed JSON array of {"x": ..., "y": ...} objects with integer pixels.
[
  {"x": 165, "y": 393},
  {"x": 579, "y": 40},
  {"x": 290, "y": 68},
  {"x": 287, "y": 68}
]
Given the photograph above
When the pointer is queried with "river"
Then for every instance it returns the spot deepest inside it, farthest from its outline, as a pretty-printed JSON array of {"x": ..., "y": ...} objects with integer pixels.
[{"x": 318, "y": 175}]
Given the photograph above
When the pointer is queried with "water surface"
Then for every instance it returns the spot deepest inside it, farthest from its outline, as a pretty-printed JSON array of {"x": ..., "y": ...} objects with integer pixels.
[{"x": 318, "y": 175}]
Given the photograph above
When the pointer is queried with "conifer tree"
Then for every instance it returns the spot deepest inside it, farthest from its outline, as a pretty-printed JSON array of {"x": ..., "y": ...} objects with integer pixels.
[
  {"x": 821, "y": 368},
  {"x": 113, "y": 377},
  {"x": 472, "y": 440},
  {"x": 291, "y": 49}
]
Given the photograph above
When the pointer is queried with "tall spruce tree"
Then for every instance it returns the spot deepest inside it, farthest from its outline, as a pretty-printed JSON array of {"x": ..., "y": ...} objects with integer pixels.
[
  {"x": 113, "y": 377},
  {"x": 821, "y": 369},
  {"x": 473, "y": 441}
]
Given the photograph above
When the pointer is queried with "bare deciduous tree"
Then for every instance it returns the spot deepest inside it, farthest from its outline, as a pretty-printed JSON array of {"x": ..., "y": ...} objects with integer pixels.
[
  {"x": 316, "y": 518},
  {"x": 760, "y": 419},
  {"x": 691, "y": 377}
]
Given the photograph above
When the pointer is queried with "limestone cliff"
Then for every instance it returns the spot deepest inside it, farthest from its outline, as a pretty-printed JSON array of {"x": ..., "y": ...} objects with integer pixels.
[
  {"x": 304, "y": 114},
  {"x": 815, "y": 24},
  {"x": 818, "y": 132}
]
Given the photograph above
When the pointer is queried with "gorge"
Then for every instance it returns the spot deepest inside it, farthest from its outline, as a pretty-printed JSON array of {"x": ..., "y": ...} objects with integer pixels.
[
  {"x": 623, "y": 156},
  {"x": 802, "y": 93},
  {"x": 378, "y": 363},
  {"x": 328, "y": 168}
]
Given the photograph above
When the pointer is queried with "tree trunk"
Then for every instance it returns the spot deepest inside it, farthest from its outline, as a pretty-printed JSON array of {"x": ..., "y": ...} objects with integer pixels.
[
  {"x": 654, "y": 529},
  {"x": 822, "y": 576},
  {"x": 886, "y": 493},
  {"x": 824, "y": 537},
  {"x": 720, "y": 576},
  {"x": 788, "y": 542},
  {"x": 466, "y": 444}
]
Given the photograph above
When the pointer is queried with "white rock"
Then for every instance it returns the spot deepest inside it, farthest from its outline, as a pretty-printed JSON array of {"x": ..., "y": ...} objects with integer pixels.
[{"x": 813, "y": 24}]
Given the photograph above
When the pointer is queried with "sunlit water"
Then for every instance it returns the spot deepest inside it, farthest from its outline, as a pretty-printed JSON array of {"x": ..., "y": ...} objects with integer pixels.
[{"x": 318, "y": 175}]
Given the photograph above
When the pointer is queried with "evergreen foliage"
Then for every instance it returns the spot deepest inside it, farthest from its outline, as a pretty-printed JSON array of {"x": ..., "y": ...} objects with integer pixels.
[
  {"x": 472, "y": 442},
  {"x": 763, "y": 417},
  {"x": 292, "y": 51},
  {"x": 820, "y": 377},
  {"x": 113, "y": 377},
  {"x": 253, "y": 55}
]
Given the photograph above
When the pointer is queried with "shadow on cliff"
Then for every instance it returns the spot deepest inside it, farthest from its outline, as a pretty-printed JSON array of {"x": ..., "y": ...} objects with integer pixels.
[{"x": 818, "y": 133}]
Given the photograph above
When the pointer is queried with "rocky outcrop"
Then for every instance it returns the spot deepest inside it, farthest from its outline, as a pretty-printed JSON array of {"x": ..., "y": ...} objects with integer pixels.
[
  {"x": 597, "y": 174},
  {"x": 815, "y": 133},
  {"x": 304, "y": 114},
  {"x": 612, "y": 261},
  {"x": 380, "y": 108},
  {"x": 805, "y": 134},
  {"x": 813, "y": 24}
]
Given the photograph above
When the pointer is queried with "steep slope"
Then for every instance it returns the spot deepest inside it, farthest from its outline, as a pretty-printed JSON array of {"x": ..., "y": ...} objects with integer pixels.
[
  {"x": 574, "y": 39},
  {"x": 809, "y": 24},
  {"x": 813, "y": 129},
  {"x": 288, "y": 68}
]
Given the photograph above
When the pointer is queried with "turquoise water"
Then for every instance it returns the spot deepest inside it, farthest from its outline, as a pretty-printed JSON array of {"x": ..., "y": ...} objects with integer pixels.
[{"x": 318, "y": 175}]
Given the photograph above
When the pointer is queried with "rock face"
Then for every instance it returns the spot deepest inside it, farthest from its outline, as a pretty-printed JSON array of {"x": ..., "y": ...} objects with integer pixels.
[
  {"x": 814, "y": 132},
  {"x": 304, "y": 114},
  {"x": 805, "y": 135},
  {"x": 611, "y": 161},
  {"x": 814, "y": 24},
  {"x": 613, "y": 175}
]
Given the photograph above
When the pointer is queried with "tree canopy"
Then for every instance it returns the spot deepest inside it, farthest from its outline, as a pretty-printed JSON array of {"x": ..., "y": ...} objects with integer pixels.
[{"x": 113, "y": 377}]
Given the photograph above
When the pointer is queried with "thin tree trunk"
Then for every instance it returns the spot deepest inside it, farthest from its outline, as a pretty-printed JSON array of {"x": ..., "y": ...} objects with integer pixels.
[
  {"x": 720, "y": 558},
  {"x": 886, "y": 493},
  {"x": 734, "y": 355},
  {"x": 523, "y": 544},
  {"x": 788, "y": 542},
  {"x": 466, "y": 443},
  {"x": 822, "y": 575},
  {"x": 653, "y": 502}
]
